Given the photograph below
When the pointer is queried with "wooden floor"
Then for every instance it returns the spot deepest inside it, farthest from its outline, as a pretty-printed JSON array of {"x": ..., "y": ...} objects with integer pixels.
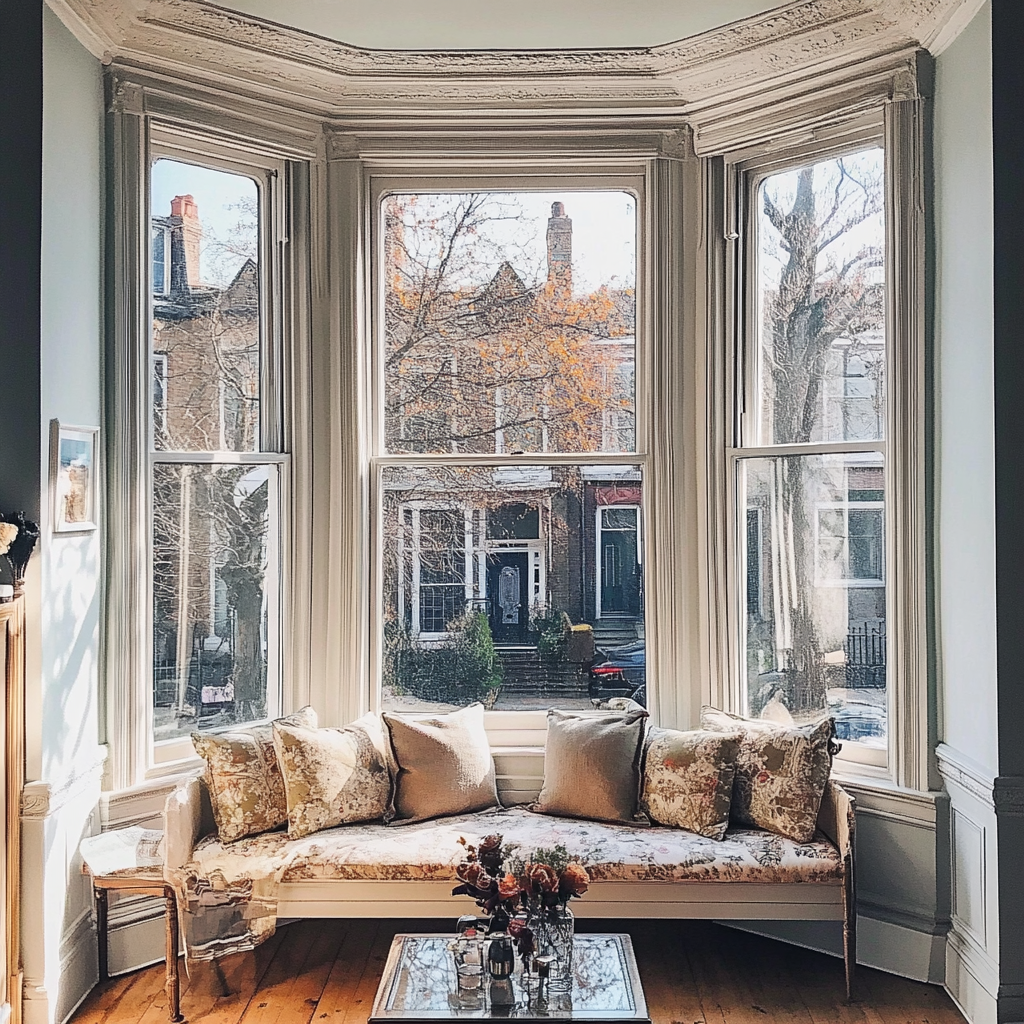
[{"x": 693, "y": 972}]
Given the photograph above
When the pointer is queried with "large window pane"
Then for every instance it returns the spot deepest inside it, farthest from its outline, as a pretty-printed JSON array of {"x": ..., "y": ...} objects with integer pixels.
[
  {"x": 518, "y": 585},
  {"x": 815, "y": 590},
  {"x": 509, "y": 322},
  {"x": 206, "y": 309},
  {"x": 821, "y": 235},
  {"x": 215, "y": 538}
]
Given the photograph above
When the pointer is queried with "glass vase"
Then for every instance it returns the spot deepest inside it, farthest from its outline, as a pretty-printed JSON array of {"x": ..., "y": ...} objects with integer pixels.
[{"x": 554, "y": 931}]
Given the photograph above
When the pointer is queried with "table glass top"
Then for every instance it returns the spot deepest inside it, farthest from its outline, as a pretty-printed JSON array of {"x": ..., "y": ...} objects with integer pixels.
[{"x": 419, "y": 983}]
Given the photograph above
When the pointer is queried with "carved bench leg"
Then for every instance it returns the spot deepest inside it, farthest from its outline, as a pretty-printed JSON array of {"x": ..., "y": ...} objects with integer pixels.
[
  {"x": 849, "y": 930},
  {"x": 171, "y": 954},
  {"x": 101, "y": 931}
]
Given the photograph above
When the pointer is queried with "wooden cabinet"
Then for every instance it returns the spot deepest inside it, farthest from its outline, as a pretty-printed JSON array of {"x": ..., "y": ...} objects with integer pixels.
[{"x": 12, "y": 736}]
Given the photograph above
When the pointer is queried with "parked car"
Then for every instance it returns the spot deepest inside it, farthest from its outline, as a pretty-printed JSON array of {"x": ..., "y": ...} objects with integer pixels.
[{"x": 619, "y": 672}]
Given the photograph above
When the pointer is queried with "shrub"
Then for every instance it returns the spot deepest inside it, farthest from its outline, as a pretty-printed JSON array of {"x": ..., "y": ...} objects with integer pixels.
[{"x": 462, "y": 668}]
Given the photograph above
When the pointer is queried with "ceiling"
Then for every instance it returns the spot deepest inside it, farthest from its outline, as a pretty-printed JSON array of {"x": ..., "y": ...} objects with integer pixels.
[{"x": 519, "y": 24}]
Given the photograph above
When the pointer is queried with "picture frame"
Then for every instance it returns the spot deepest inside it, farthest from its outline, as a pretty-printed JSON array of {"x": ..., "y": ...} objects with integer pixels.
[{"x": 74, "y": 469}]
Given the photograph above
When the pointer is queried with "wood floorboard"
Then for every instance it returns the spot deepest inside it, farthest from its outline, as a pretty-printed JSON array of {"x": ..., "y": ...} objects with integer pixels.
[
  {"x": 349, "y": 966},
  {"x": 125, "y": 997},
  {"x": 221, "y": 997},
  {"x": 294, "y": 998},
  {"x": 693, "y": 972},
  {"x": 667, "y": 978}
]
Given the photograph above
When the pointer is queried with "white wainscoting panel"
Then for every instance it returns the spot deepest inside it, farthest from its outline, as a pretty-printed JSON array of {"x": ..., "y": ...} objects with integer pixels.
[
  {"x": 972, "y": 951},
  {"x": 967, "y": 839}
]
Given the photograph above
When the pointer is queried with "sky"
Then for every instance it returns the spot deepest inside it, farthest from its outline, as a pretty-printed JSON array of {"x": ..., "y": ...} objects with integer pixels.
[
  {"x": 604, "y": 230},
  {"x": 604, "y": 225}
]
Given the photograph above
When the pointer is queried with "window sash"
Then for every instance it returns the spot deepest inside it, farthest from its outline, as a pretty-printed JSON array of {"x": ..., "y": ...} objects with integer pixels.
[
  {"x": 378, "y": 457},
  {"x": 898, "y": 128},
  {"x": 268, "y": 173}
]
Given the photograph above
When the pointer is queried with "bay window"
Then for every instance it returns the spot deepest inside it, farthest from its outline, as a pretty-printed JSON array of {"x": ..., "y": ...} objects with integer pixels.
[{"x": 413, "y": 428}]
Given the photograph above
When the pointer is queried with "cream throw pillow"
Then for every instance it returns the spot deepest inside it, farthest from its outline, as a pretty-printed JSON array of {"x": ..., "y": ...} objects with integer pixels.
[
  {"x": 246, "y": 788},
  {"x": 442, "y": 765},
  {"x": 333, "y": 776},
  {"x": 591, "y": 765},
  {"x": 781, "y": 771},
  {"x": 687, "y": 779}
]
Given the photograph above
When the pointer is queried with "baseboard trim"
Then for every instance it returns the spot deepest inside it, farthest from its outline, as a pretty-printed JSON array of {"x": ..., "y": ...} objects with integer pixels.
[
  {"x": 913, "y": 953},
  {"x": 78, "y": 975},
  {"x": 970, "y": 978}
]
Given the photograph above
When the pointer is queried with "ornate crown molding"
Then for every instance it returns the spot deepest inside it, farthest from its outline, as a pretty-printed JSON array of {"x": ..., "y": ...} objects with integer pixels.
[{"x": 206, "y": 43}]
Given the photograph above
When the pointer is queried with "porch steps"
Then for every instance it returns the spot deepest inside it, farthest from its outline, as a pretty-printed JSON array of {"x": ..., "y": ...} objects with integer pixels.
[
  {"x": 614, "y": 632},
  {"x": 527, "y": 671}
]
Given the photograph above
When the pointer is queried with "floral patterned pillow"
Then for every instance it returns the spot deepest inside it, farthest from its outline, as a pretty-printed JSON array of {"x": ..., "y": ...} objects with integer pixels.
[
  {"x": 246, "y": 788},
  {"x": 688, "y": 779},
  {"x": 333, "y": 776},
  {"x": 781, "y": 771}
]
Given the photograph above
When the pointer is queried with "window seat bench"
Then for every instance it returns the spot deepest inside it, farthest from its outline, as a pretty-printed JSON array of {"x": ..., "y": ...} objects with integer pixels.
[{"x": 374, "y": 870}]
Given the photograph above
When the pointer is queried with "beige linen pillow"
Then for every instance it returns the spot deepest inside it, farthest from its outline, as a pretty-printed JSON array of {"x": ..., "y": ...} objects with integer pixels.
[
  {"x": 246, "y": 788},
  {"x": 592, "y": 765},
  {"x": 333, "y": 776},
  {"x": 781, "y": 771},
  {"x": 442, "y": 765},
  {"x": 688, "y": 777}
]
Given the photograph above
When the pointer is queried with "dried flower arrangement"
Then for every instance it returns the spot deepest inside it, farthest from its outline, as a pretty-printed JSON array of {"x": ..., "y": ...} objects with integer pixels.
[{"x": 506, "y": 882}]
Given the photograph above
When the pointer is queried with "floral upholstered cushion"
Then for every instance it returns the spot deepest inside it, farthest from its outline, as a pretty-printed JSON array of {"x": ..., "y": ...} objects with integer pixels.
[
  {"x": 687, "y": 779},
  {"x": 592, "y": 765},
  {"x": 442, "y": 765},
  {"x": 610, "y": 852},
  {"x": 333, "y": 776},
  {"x": 781, "y": 771},
  {"x": 246, "y": 788}
]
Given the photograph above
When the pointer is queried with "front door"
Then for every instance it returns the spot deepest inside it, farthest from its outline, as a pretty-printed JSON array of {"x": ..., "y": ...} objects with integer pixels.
[{"x": 507, "y": 594}]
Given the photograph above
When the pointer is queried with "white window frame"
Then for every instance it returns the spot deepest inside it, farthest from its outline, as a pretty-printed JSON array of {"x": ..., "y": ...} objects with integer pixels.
[
  {"x": 628, "y": 163},
  {"x": 281, "y": 175},
  {"x": 599, "y": 529},
  {"x": 165, "y": 284},
  {"x": 895, "y": 124},
  {"x": 690, "y": 233},
  {"x": 164, "y": 144}
]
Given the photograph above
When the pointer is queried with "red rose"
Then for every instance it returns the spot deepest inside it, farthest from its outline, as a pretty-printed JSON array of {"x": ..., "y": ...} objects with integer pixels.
[
  {"x": 490, "y": 843},
  {"x": 475, "y": 875},
  {"x": 508, "y": 887},
  {"x": 542, "y": 878},
  {"x": 763, "y": 776},
  {"x": 574, "y": 880}
]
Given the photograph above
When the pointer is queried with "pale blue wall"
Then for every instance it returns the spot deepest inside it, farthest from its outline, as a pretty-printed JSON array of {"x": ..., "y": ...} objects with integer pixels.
[{"x": 964, "y": 423}]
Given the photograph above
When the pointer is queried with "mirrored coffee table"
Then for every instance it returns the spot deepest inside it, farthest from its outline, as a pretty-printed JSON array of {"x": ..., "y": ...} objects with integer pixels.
[{"x": 419, "y": 985}]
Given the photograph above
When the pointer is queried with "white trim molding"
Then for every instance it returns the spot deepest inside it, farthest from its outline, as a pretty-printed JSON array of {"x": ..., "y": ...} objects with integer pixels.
[
  {"x": 1003, "y": 793},
  {"x": 735, "y": 62}
]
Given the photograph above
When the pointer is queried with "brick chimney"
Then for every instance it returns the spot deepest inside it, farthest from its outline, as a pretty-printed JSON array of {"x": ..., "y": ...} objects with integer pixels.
[
  {"x": 187, "y": 234},
  {"x": 560, "y": 251}
]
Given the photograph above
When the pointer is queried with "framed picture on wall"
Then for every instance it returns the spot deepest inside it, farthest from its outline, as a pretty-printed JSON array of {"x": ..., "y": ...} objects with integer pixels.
[{"x": 73, "y": 477}]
